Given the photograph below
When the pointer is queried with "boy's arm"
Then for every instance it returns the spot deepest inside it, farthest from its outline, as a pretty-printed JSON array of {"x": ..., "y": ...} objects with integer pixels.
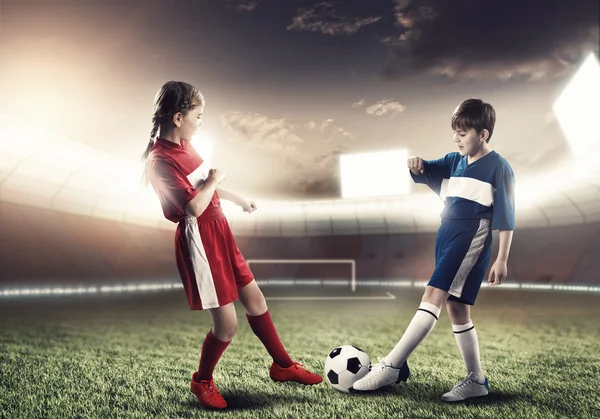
[
  {"x": 431, "y": 172},
  {"x": 505, "y": 238},
  {"x": 499, "y": 269},
  {"x": 504, "y": 221},
  {"x": 247, "y": 205}
]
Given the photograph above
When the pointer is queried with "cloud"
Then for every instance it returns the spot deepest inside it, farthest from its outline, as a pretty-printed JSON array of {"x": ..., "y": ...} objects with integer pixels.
[
  {"x": 242, "y": 5},
  {"x": 328, "y": 19},
  {"x": 492, "y": 39},
  {"x": 323, "y": 178},
  {"x": 307, "y": 174},
  {"x": 361, "y": 103},
  {"x": 334, "y": 132},
  {"x": 381, "y": 108},
  {"x": 325, "y": 124},
  {"x": 269, "y": 134},
  {"x": 386, "y": 107},
  {"x": 331, "y": 158}
]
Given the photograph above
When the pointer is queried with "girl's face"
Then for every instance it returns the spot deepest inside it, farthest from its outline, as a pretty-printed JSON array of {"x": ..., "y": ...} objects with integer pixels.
[{"x": 189, "y": 124}]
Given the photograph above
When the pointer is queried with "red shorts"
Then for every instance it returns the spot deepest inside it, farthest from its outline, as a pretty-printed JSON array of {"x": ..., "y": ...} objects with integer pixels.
[{"x": 211, "y": 266}]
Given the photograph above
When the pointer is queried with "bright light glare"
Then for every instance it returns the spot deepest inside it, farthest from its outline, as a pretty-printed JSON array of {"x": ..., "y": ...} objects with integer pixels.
[
  {"x": 204, "y": 147},
  {"x": 578, "y": 107},
  {"x": 129, "y": 288},
  {"x": 380, "y": 173}
]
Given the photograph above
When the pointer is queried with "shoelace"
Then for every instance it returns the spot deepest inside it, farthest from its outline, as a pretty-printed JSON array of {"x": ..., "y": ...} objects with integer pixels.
[
  {"x": 467, "y": 381},
  {"x": 380, "y": 366},
  {"x": 464, "y": 383},
  {"x": 212, "y": 390}
]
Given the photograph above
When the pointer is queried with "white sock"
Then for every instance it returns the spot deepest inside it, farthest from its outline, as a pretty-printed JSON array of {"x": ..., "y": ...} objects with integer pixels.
[
  {"x": 466, "y": 338},
  {"x": 417, "y": 330}
]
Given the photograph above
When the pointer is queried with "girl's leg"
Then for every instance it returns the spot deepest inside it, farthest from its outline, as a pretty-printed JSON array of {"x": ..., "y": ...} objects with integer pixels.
[
  {"x": 261, "y": 323},
  {"x": 215, "y": 343},
  {"x": 217, "y": 340},
  {"x": 283, "y": 368}
]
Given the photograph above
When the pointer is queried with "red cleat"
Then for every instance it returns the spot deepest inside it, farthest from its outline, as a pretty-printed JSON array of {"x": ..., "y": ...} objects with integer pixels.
[
  {"x": 295, "y": 373},
  {"x": 208, "y": 394}
]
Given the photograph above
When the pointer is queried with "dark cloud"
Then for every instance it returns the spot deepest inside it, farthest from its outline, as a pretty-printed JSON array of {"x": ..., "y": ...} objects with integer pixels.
[
  {"x": 329, "y": 18},
  {"x": 314, "y": 174},
  {"x": 242, "y": 5},
  {"x": 492, "y": 39},
  {"x": 323, "y": 179}
]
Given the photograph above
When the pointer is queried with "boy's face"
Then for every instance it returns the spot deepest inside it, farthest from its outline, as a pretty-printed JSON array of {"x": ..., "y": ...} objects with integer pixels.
[{"x": 469, "y": 142}]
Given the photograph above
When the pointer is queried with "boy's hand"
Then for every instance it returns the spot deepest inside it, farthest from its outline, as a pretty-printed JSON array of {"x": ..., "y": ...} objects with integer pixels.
[
  {"x": 217, "y": 175},
  {"x": 415, "y": 164},
  {"x": 498, "y": 273}
]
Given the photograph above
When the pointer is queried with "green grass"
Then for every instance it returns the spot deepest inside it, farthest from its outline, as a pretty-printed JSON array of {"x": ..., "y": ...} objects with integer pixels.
[{"x": 131, "y": 356}]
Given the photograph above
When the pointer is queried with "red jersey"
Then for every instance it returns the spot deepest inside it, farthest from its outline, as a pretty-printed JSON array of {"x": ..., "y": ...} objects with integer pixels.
[{"x": 174, "y": 172}]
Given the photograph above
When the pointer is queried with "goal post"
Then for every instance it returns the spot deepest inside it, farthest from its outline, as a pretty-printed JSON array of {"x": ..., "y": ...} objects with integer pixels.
[{"x": 350, "y": 262}]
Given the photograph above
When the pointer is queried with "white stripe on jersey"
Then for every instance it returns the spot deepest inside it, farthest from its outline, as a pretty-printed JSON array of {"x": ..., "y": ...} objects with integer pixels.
[
  {"x": 477, "y": 244},
  {"x": 468, "y": 188},
  {"x": 198, "y": 176},
  {"x": 204, "y": 278}
]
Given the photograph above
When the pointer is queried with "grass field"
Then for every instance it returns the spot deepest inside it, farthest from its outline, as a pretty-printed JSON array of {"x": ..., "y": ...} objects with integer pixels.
[{"x": 131, "y": 356}]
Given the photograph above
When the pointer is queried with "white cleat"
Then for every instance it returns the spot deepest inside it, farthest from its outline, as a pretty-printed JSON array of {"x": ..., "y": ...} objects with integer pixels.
[
  {"x": 380, "y": 375},
  {"x": 467, "y": 389}
]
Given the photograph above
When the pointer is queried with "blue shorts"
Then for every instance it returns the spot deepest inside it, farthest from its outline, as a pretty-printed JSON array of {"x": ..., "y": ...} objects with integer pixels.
[{"x": 462, "y": 254}]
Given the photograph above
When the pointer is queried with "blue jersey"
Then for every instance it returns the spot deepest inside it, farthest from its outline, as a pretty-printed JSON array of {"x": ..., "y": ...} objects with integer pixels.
[{"x": 482, "y": 189}]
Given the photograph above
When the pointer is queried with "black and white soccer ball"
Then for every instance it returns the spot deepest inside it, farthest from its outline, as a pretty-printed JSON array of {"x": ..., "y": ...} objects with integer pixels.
[{"x": 345, "y": 365}]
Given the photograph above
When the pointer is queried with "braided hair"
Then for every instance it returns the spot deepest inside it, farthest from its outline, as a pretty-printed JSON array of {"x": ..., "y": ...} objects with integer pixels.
[{"x": 173, "y": 97}]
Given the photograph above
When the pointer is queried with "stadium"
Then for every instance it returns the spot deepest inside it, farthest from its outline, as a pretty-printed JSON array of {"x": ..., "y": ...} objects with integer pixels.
[{"x": 94, "y": 321}]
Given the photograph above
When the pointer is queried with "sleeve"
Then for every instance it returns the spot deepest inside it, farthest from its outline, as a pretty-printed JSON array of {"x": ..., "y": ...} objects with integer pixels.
[
  {"x": 435, "y": 171},
  {"x": 172, "y": 183},
  {"x": 503, "y": 217}
]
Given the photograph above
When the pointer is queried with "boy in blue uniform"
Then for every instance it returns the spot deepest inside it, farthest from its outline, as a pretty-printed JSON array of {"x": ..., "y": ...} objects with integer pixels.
[{"x": 477, "y": 186}]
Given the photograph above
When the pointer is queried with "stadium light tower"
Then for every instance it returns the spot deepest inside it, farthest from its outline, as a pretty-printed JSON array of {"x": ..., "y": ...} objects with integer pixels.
[{"x": 578, "y": 107}]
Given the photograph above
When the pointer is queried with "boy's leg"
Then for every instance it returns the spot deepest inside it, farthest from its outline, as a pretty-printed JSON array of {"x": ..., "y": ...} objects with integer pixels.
[
  {"x": 259, "y": 318},
  {"x": 422, "y": 323},
  {"x": 392, "y": 368},
  {"x": 466, "y": 337},
  {"x": 474, "y": 384},
  {"x": 215, "y": 343}
]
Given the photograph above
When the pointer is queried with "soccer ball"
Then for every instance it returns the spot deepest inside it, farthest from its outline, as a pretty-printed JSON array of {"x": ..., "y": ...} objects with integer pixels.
[{"x": 344, "y": 366}]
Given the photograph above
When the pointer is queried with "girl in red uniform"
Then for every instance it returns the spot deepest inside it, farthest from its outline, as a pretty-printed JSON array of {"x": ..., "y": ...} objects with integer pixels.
[{"x": 213, "y": 271}]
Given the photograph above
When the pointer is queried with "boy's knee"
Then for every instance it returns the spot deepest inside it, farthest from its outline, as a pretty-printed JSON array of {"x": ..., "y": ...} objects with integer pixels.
[
  {"x": 435, "y": 296},
  {"x": 459, "y": 313}
]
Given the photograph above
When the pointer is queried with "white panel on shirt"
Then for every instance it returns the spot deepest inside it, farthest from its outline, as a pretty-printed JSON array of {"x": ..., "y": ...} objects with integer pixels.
[
  {"x": 198, "y": 176},
  {"x": 468, "y": 188}
]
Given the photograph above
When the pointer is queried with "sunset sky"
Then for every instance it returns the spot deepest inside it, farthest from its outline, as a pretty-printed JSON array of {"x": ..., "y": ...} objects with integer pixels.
[{"x": 289, "y": 85}]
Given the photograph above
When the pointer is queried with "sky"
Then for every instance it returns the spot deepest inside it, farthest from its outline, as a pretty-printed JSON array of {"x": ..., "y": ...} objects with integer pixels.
[{"x": 290, "y": 85}]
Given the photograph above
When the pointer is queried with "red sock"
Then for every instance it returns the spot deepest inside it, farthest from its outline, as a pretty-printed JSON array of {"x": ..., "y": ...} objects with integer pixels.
[
  {"x": 263, "y": 327},
  {"x": 212, "y": 349}
]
